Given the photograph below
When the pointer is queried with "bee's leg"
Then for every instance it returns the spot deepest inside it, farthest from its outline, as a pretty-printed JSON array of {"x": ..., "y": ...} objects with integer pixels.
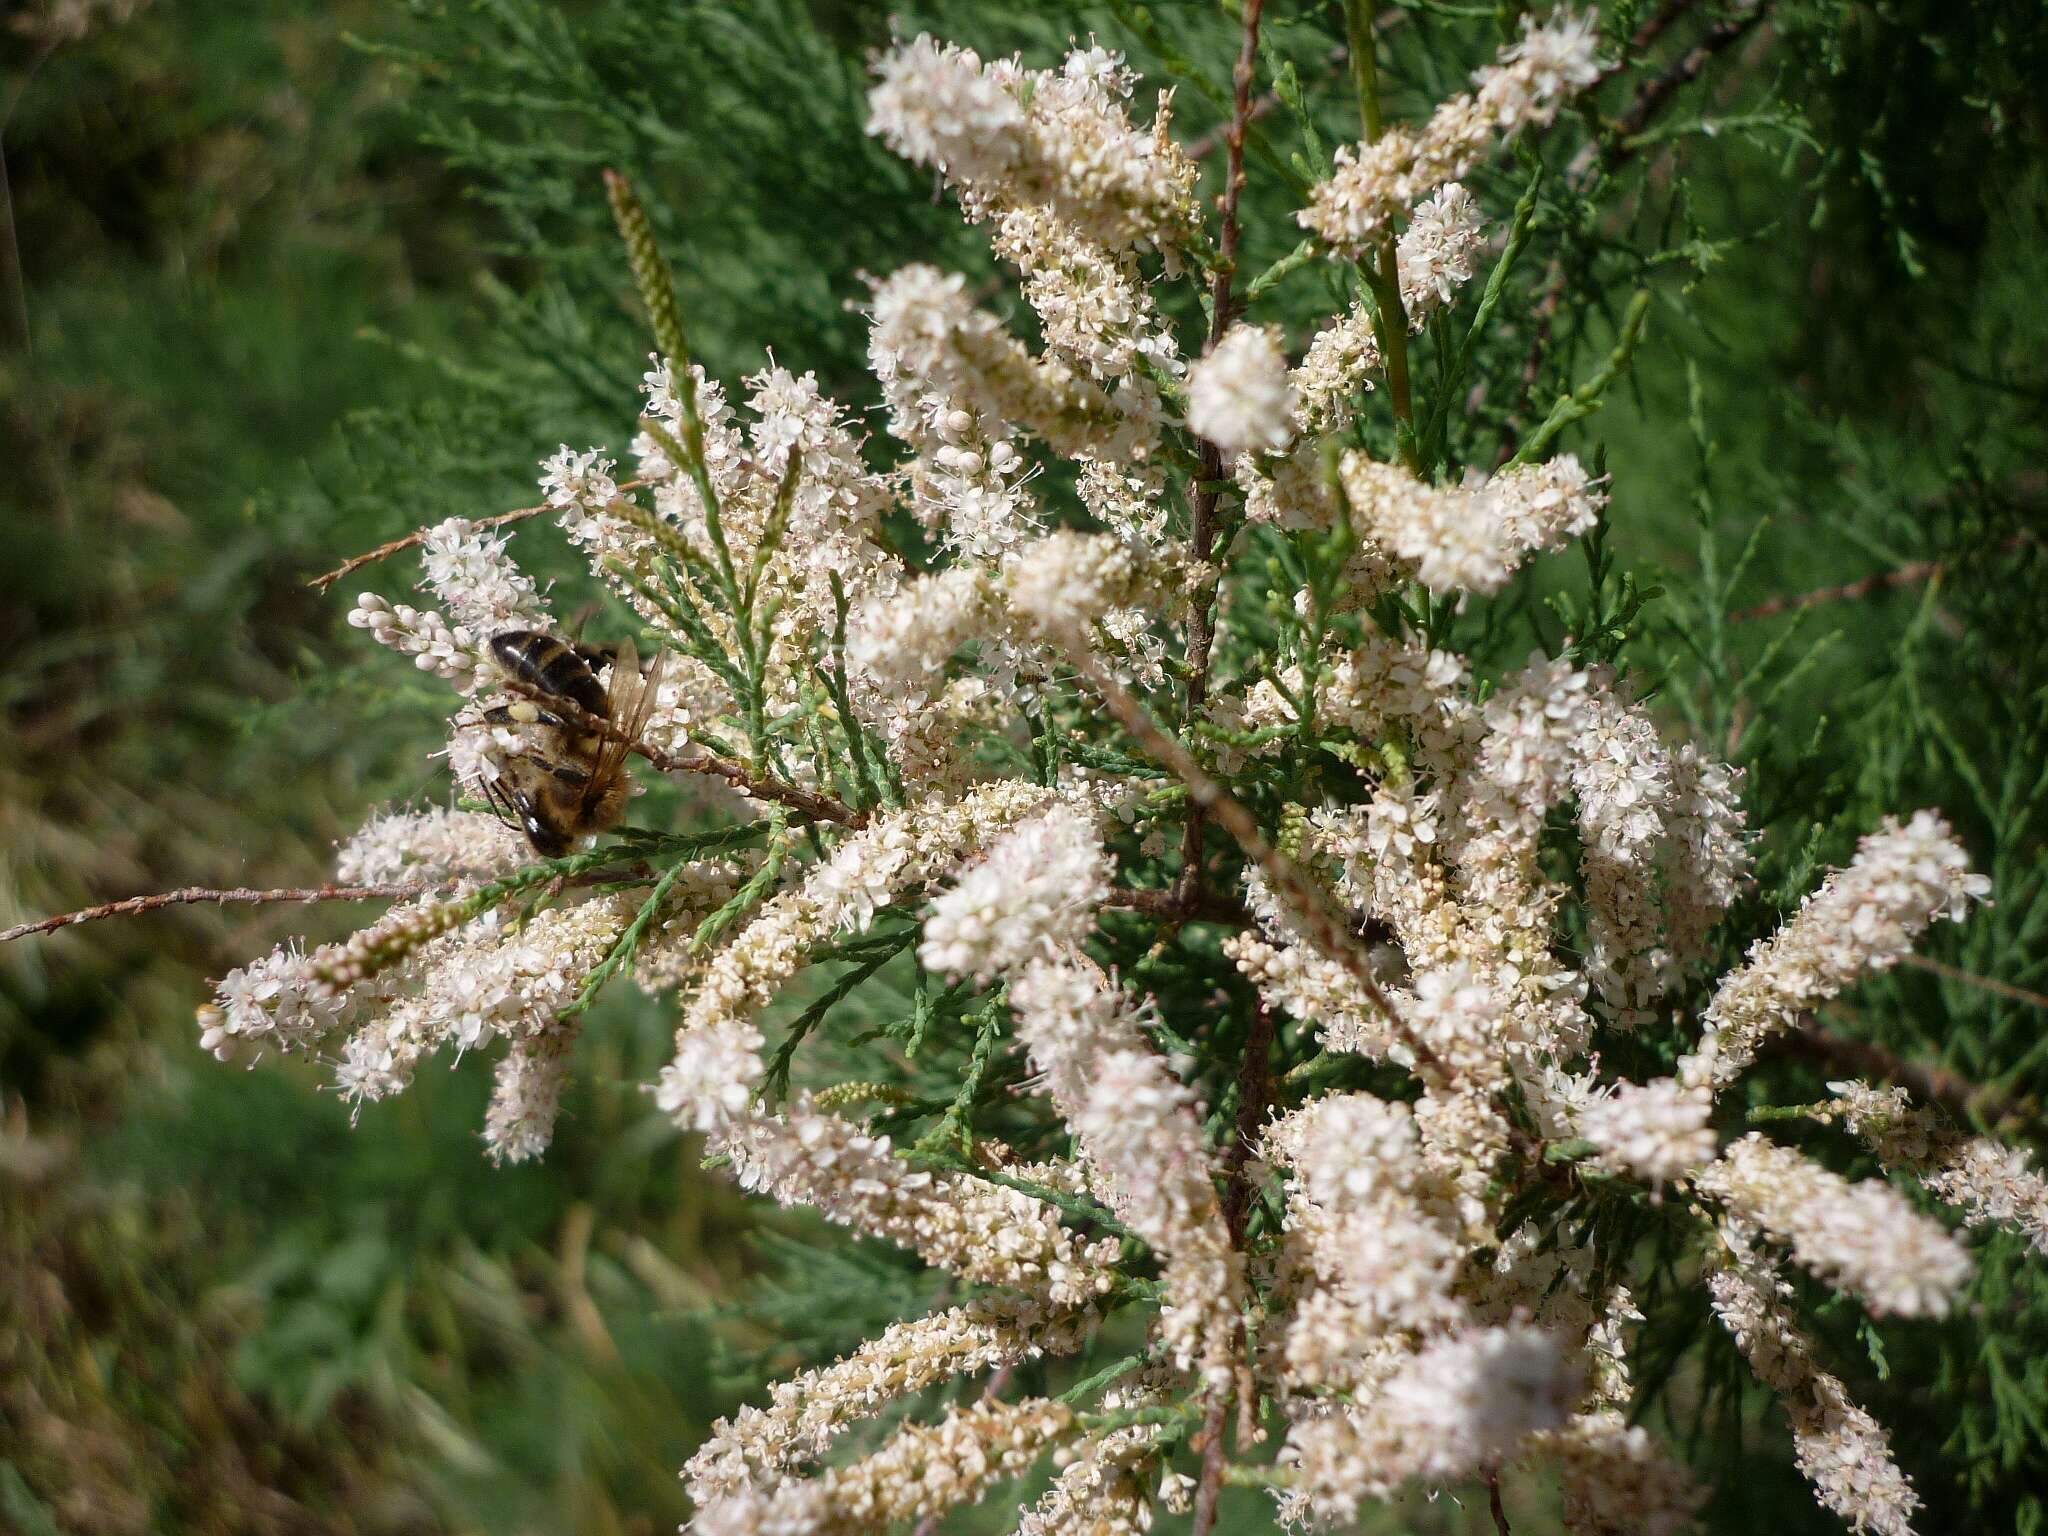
[
  {"x": 501, "y": 804},
  {"x": 594, "y": 657},
  {"x": 581, "y": 617},
  {"x": 525, "y": 712},
  {"x": 597, "y": 657}
]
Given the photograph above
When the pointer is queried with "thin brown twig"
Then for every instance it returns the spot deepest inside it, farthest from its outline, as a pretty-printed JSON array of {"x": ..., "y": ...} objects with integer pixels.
[
  {"x": 1913, "y": 575},
  {"x": 1493, "y": 1504},
  {"x": 412, "y": 541},
  {"x": 1254, "y": 1093},
  {"x": 1964, "y": 1102},
  {"x": 1201, "y": 635},
  {"x": 1206, "y": 144},
  {"x": 199, "y": 895},
  {"x": 1172, "y": 907},
  {"x": 1652, "y": 29},
  {"x": 1971, "y": 979},
  {"x": 1203, "y": 145},
  {"x": 1654, "y": 96},
  {"x": 754, "y": 786},
  {"x": 1682, "y": 71},
  {"x": 1320, "y": 923},
  {"x": 195, "y": 895},
  {"x": 1209, "y": 1440}
]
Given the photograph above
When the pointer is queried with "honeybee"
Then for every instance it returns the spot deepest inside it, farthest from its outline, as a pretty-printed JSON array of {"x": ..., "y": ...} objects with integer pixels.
[{"x": 568, "y": 781}]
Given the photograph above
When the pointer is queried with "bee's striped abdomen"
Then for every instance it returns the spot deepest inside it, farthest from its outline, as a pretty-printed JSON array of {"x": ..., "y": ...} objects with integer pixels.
[{"x": 550, "y": 665}]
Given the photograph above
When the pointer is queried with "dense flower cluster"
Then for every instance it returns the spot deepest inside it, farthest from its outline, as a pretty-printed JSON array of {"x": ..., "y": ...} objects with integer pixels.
[
  {"x": 1864, "y": 1237},
  {"x": 1037, "y": 890},
  {"x": 1471, "y": 538},
  {"x": 1176, "y": 830},
  {"x": 1864, "y": 917},
  {"x": 1376, "y": 183},
  {"x": 1013, "y": 138},
  {"x": 1841, "y": 1449},
  {"x": 1240, "y": 397},
  {"x": 1988, "y": 1183},
  {"x": 808, "y": 1412}
]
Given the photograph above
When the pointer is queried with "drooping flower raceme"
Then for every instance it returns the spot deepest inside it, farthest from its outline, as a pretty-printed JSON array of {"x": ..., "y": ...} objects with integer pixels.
[
  {"x": 1862, "y": 1236},
  {"x": 1989, "y": 1184},
  {"x": 1842, "y": 1451},
  {"x": 1864, "y": 917}
]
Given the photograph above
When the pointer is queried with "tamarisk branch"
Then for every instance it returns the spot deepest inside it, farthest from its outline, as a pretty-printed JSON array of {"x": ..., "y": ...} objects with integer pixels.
[{"x": 198, "y": 895}]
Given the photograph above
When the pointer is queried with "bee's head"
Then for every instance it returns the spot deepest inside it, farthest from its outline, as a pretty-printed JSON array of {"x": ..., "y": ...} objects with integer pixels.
[
  {"x": 549, "y": 842},
  {"x": 515, "y": 805}
]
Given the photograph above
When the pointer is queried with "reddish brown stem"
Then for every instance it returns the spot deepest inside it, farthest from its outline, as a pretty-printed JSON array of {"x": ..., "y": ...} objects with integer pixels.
[
  {"x": 1202, "y": 507},
  {"x": 1209, "y": 1490},
  {"x": 1965, "y": 1102},
  {"x": 412, "y": 541},
  {"x": 1321, "y": 926},
  {"x": 1656, "y": 26},
  {"x": 755, "y": 786},
  {"x": 1916, "y": 574},
  {"x": 196, "y": 895},
  {"x": 1254, "y": 1093},
  {"x": 1201, "y": 636},
  {"x": 1493, "y": 1504},
  {"x": 1682, "y": 71},
  {"x": 1172, "y": 907},
  {"x": 1654, "y": 96}
]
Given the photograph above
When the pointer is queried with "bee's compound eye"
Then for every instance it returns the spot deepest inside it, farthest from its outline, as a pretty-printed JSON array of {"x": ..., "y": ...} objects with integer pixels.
[{"x": 549, "y": 842}]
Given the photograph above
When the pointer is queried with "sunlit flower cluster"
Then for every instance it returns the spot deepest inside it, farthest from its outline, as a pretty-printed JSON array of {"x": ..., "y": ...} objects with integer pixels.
[
  {"x": 1865, "y": 917},
  {"x": 1375, "y": 183}
]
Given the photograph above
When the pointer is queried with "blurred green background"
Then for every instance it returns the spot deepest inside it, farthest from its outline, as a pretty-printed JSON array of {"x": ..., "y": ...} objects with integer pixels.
[{"x": 286, "y": 280}]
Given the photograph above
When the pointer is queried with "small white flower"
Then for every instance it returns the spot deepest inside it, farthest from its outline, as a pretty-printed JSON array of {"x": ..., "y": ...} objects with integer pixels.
[{"x": 1240, "y": 396}]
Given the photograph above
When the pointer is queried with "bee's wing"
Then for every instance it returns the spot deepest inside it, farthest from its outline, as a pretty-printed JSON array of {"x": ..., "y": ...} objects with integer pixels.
[{"x": 629, "y": 701}]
